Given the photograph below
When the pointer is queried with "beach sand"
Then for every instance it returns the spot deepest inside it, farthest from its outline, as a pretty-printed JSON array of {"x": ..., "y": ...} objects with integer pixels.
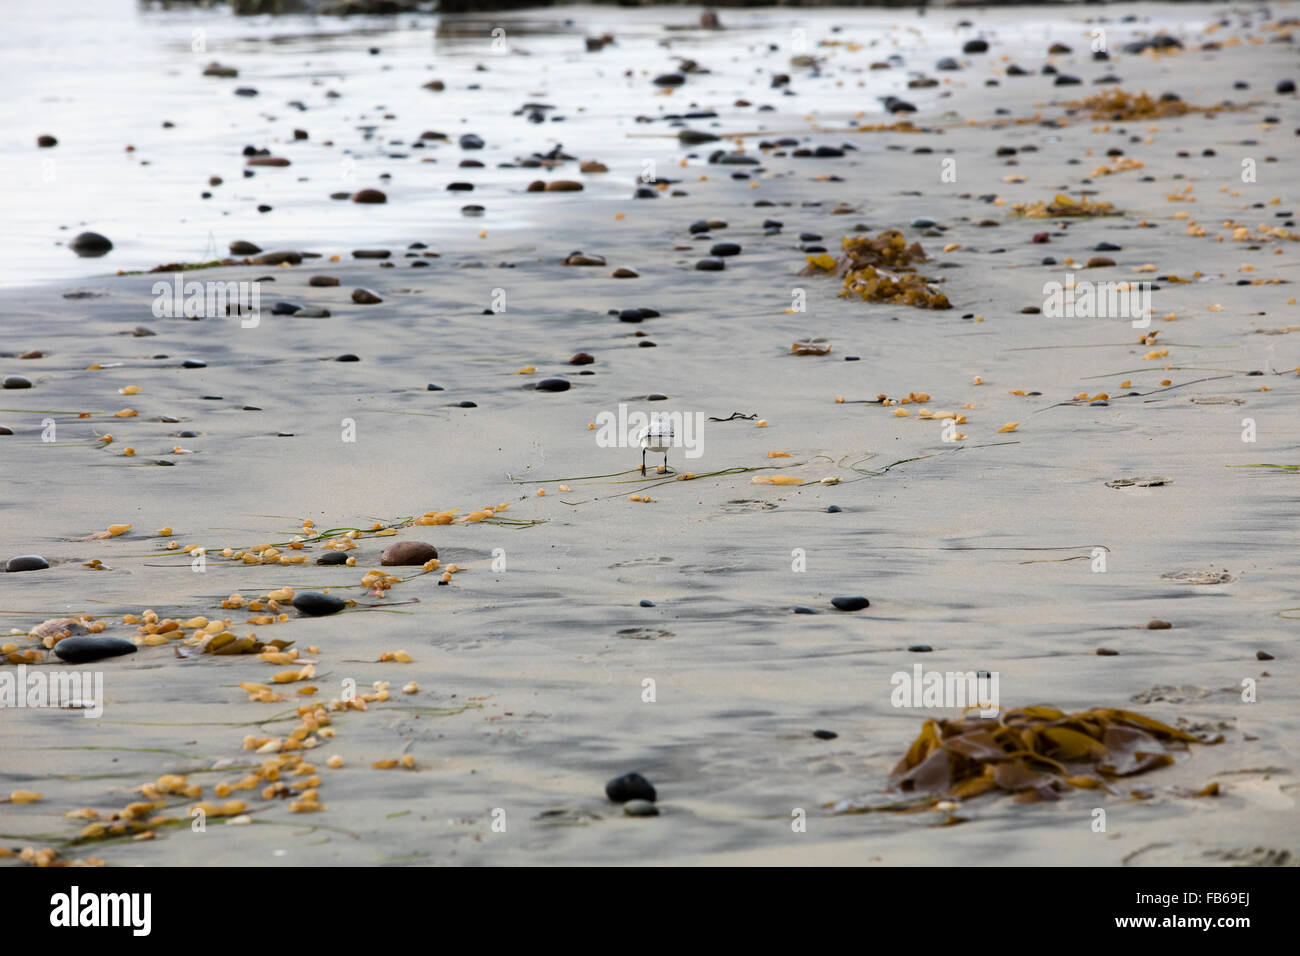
[{"x": 532, "y": 676}]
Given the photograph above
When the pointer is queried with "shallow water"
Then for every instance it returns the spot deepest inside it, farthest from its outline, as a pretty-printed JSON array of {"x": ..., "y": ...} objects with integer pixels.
[{"x": 103, "y": 74}]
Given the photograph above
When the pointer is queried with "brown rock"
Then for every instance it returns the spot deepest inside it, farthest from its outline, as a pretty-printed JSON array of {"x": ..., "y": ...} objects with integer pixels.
[
  {"x": 563, "y": 186},
  {"x": 1098, "y": 262},
  {"x": 242, "y": 248},
  {"x": 408, "y": 553},
  {"x": 591, "y": 166},
  {"x": 537, "y": 186},
  {"x": 365, "y": 297},
  {"x": 323, "y": 281},
  {"x": 267, "y": 161},
  {"x": 582, "y": 358},
  {"x": 625, "y": 274},
  {"x": 369, "y": 196},
  {"x": 1158, "y": 625}
]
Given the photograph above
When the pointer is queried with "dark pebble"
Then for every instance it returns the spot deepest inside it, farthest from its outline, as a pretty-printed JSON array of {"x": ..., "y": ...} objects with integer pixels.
[
  {"x": 710, "y": 265},
  {"x": 91, "y": 647},
  {"x": 725, "y": 249},
  {"x": 552, "y": 385},
  {"x": 333, "y": 557},
  {"x": 804, "y": 609},
  {"x": 1263, "y": 656},
  {"x": 348, "y": 357},
  {"x": 27, "y": 562},
  {"x": 640, "y": 808},
  {"x": 920, "y": 648},
  {"x": 850, "y": 603},
  {"x": 630, "y": 786},
  {"x": 647, "y": 603},
  {"x": 825, "y": 734},
  {"x": 834, "y": 509},
  {"x": 17, "y": 381},
  {"x": 193, "y": 363},
  {"x": 90, "y": 244},
  {"x": 408, "y": 553},
  {"x": 318, "y": 603}
]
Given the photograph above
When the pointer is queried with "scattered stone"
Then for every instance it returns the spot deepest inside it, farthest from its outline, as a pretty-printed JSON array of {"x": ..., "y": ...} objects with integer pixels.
[
  {"x": 582, "y": 259},
  {"x": 630, "y": 786},
  {"x": 563, "y": 186},
  {"x": 91, "y": 647},
  {"x": 975, "y": 46},
  {"x": 725, "y": 249},
  {"x": 371, "y": 253},
  {"x": 1157, "y": 625},
  {"x": 27, "y": 562},
  {"x": 471, "y": 141},
  {"x": 406, "y": 553},
  {"x": 640, "y": 808},
  {"x": 365, "y": 297},
  {"x": 322, "y": 282},
  {"x": 804, "y": 609},
  {"x": 850, "y": 603},
  {"x": 920, "y": 648},
  {"x": 825, "y": 734},
  {"x": 552, "y": 385},
  {"x": 90, "y": 245},
  {"x": 318, "y": 603},
  {"x": 647, "y": 603},
  {"x": 625, "y": 273},
  {"x": 1263, "y": 656},
  {"x": 710, "y": 265},
  {"x": 581, "y": 358},
  {"x": 1100, "y": 262},
  {"x": 333, "y": 557},
  {"x": 241, "y": 248},
  {"x": 17, "y": 381},
  {"x": 46, "y": 141},
  {"x": 669, "y": 79},
  {"x": 369, "y": 196},
  {"x": 1107, "y": 652}
]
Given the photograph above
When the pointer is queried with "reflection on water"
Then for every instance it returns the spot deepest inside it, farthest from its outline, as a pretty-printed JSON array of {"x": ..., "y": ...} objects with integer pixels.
[{"x": 152, "y": 153}]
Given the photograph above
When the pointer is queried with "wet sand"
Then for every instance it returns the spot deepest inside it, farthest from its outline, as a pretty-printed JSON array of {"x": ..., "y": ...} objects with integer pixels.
[{"x": 531, "y": 677}]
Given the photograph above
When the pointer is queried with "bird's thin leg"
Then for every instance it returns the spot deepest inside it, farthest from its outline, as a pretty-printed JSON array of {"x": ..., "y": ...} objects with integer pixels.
[
  {"x": 643, "y": 461},
  {"x": 665, "y": 461}
]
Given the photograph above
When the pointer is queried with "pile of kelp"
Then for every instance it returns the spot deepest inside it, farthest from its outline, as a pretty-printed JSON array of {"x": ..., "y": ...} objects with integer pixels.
[
  {"x": 880, "y": 269},
  {"x": 1118, "y": 106},
  {"x": 1037, "y": 753}
]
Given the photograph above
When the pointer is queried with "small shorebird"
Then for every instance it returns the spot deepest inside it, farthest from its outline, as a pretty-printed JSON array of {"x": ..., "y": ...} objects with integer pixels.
[{"x": 657, "y": 436}]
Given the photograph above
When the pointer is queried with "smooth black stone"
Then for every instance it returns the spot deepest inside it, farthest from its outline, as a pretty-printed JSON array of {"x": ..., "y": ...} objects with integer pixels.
[
  {"x": 834, "y": 509},
  {"x": 850, "y": 603},
  {"x": 17, "y": 381},
  {"x": 435, "y": 388},
  {"x": 947, "y": 63},
  {"x": 467, "y": 405},
  {"x": 27, "y": 562},
  {"x": 920, "y": 648},
  {"x": 83, "y": 649},
  {"x": 809, "y": 237},
  {"x": 645, "y": 603},
  {"x": 725, "y": 249},
  {"x": 90, "y": 245},
  {"x": 553, "y": 385},
  {"x": 470, "y": 141},
  {"x": 976, "y": 46},
  {"x": 803, "y": 609},
  {"x": 347, "y": 357},
  {"x": 317, "y": 603},
  {"x": 193, "y": 363},
  {"x": 825, "y": 734},
  {"x": 630, "y": 786},
  {"x": 1286, "y": 86},
  {"x": 333, "y": 557},
  {"x": 1106, "y": 247},
  {"x": 710, "y": 265},
  {"x": 699, "y": 226},
  {"x": 852, "y": 358},
  {"x": 285, "y": 308}
]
